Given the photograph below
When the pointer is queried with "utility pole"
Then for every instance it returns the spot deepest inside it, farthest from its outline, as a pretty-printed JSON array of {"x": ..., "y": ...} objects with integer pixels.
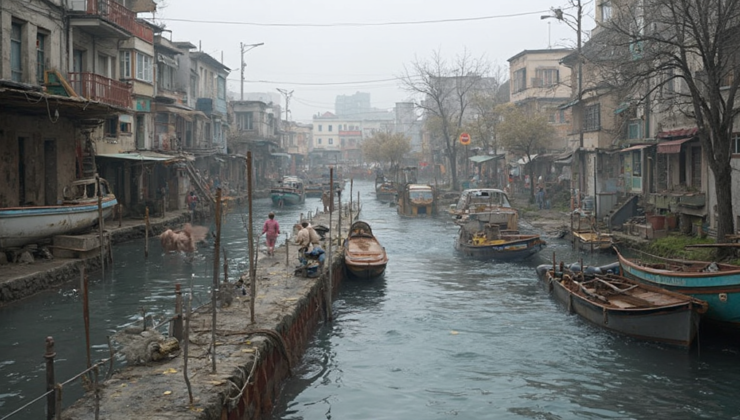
[
  {"x": 244, "y": 48},
  {"x": 287, "y": 95}
]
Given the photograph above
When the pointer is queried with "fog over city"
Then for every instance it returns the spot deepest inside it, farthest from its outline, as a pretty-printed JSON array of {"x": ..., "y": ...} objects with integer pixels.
[{"x": 321, "y": 49}]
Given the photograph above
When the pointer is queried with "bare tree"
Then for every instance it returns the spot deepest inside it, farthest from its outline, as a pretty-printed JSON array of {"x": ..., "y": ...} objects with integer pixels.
[
  {"x": 683, "y": 54},
  {"x": 444, "y": 92}
]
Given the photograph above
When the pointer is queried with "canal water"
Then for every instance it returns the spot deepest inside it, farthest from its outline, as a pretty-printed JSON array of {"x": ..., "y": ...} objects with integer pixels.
[{"x": 439, "y": 337}]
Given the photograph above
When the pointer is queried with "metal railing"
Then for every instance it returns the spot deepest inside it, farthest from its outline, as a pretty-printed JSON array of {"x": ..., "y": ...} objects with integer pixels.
[
  {"x": 100, "y": 88},
  {"x": 119, "y": 15}
]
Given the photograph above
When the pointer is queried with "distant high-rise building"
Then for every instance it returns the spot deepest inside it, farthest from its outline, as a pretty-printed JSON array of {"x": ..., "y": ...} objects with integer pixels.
[{"x": 352, "y": 105}]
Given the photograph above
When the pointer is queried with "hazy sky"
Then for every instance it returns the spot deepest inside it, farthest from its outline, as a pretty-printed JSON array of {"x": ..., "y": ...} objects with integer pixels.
[{"x": 355, "y": 58}]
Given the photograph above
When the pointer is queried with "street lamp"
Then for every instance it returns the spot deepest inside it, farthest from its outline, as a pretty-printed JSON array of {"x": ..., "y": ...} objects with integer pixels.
[
  {"x": 244, "y": 48},
  {"x": 561, "y": 16}
]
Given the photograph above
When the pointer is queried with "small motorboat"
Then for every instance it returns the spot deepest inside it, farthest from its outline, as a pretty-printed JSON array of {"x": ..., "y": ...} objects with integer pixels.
[
  {"x": 487, "y": 241},
  {"x": 364, "y": 257},
  {"x": 291, "y": 192}
]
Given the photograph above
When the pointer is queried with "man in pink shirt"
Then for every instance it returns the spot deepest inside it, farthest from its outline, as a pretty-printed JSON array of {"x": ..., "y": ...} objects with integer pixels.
[{"x": 271, "y": 230}]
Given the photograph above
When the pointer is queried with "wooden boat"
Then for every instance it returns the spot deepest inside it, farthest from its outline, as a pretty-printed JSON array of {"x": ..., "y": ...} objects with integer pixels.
[
  {"x": 417, "y": 200},
  {"x": 364, "y": 257},
  {"x": 717, "y": 284},
  {"x": 290, "y": 192},
  {"x": 489, "y": 242},
  {"x": 385, "y": 191},
  {"x": 79, "y": 211},
  {"x": 627, "y": 307},
  {"x": 487, "y": 205},
  {"x": 314, "y": 188},
  {"x": 588, "y": 240}
]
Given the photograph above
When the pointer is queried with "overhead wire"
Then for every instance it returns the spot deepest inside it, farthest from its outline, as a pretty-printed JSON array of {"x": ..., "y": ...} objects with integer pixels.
[{"x": 355, "y": 24}]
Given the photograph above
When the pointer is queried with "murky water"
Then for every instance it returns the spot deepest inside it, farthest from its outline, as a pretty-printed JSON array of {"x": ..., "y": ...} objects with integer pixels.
[{"x": 439, "y": 337}]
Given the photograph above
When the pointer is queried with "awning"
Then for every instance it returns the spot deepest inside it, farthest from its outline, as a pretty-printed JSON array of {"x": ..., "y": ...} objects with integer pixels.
[
  {"x": 282, "y": 155},
  {"x": 638, "y": 147},
  {"x": 673, "y": 146},
  {"x": 524, "y": 160},
  {"x": 621, "y": 108},
  {"x": 568, "y": 105},
  {"x": 140, "y": 156},
  {"x": 680, "y": 133},
  {"x": 481, "y": 159},
  {"x": 565, "y": 160},
  {"x": 186, "y": 114}
]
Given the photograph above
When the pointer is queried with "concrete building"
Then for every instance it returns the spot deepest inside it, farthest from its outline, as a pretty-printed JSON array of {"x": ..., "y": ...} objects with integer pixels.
[
  {"x": 541, "y": 83},
  {"x": 256, "y": 128}
]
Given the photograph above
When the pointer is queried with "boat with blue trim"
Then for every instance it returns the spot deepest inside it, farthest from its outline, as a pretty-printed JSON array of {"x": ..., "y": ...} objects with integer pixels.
[{"x": 290, "y": 192}]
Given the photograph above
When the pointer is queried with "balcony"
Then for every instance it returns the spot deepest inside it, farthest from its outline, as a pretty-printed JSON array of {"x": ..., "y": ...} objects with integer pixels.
[
  {"x": 101, "y": 89},
  {"x": 108, "y": 19}
]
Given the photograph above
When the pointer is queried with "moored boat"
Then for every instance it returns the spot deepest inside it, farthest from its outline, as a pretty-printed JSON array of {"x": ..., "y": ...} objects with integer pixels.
[
  {"x": 364, "y": 257},
  {"x": 78, "y": 211},
  {"x": 589, "y": 240},
  {"x": 489, "y": 242},
  {"x": 487, "y": 205},
  {"x": 716, "y": 283},
  {"x": 417, "y": 200},
  {"x": 627, "y": 307},
  {"x": 290, "y": 192}
]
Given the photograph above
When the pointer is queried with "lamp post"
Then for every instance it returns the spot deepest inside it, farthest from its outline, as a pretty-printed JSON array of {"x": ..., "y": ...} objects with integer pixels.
[
  {"x": 244, "y": 48},
  {"x": 560, "y": 15}
]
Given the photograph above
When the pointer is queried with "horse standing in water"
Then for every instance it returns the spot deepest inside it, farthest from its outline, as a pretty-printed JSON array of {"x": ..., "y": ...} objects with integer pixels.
[{"x": 183, "y": 240}]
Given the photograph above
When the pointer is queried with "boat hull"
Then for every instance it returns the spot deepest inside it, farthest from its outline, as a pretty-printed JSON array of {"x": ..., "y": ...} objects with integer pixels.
[
  {"x": 364, "y": 257},
  {"x": 361, "y": 271},
  {"x": 512, "y": 248},
  {"x": 24, "y": 225},
  {"x": 675, "y": 324},
  {"x": 721, "y": 290},
  {"x": 287, "y": 198}
]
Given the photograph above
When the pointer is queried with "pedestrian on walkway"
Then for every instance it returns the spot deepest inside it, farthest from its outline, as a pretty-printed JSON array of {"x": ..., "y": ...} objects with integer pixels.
[
  {"x": 271, "y": 230},
  {"x": 541, "y": 198},
  {"x": 192, "y": 202}
]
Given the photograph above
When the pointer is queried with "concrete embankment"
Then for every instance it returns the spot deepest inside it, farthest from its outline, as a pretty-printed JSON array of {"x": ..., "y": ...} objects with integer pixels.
[
  {"x": 252, "y": 359},
  {"x": 18, "y": 281}
]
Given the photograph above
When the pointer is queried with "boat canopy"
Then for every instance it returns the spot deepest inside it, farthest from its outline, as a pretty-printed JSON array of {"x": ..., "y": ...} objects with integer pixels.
[{"x": 482, "y": 197}]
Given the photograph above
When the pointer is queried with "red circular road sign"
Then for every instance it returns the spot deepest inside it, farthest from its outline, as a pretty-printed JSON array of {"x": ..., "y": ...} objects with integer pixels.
[{"x": 465, "y": 139}]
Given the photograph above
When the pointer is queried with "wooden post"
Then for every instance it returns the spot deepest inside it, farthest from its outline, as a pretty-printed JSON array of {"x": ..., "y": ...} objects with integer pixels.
[
  {"x": 186, "y": 340},
  {"x": 120, "y": 214},
  {"x": 250, "y": 234},
  {"x": 226, "y": 267},
  {"x": 287, "y": 251},
  {"x": 50, "y": 382},
  {"x": 100, "y": 225},
  {"x": 86, "y": 313},
  {"x": 146, "y": 233},
  {"x": 351, "y": 185},
  {"x": 177, "y": 322},
  {"x": 331, "y": 239},
  {"x": 358, "y": 204},
  {"x": 214, "y": 295}
]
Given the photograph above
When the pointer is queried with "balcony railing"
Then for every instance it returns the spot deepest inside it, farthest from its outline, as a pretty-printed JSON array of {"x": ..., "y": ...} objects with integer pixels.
[
  {"x": 118, "y": 14},
  {"x": 100, "y": 88}
]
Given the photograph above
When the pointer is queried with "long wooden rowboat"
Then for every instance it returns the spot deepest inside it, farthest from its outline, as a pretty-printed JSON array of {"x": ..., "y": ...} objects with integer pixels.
[
  {"x": 717, "y": 284},
  {"x": 364, "y": 257},
  {"x": 627, "y": 307}
]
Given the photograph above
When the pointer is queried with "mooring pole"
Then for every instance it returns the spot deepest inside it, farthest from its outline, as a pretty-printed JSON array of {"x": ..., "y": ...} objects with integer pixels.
[
  {"x": 86, "y": 313},
  {"x": 287, "y": 250},
  {"x": 186, "y": 340},
  {"x": 177, "y": 322},
  {"x": 358, "y": 203},
  {"x": 120, "y": 214},
  {"x": 250, "y": 234},
  {"x": 351, "y": 185},
  {"x": 146, "y": 233},
  {"x": 50, "y": 382},
  {"x": 214, "y": 295},
  {"x": 226, "y": 266},
  {"x": 100, "y": 226},
  {"x": 331, "y": 239}
]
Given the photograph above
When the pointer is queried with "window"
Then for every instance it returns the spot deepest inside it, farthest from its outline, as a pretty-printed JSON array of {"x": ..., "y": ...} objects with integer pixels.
[
  {"x": 111, "y": 127},
  {"x": 331, "y": 141},
  {"x": 193, "y": 87},
  {"x": 40, "y": 57},
  {"x": 321, "y": 128},
  {"x": 143, "y": 67},
  {"x": 546, "y": 77},
  {"x": 592, "y": 118},
  {"x": 221, "y": 92},
  {"x": 735, "y": 141},
  {"x": 727, "y": 79},
  {"x": 318, "y": 141},
  {"x": 606, "y": 11},
  {"x": 634, "y": 129},
  {"x": 330, "y": 127},
  {"x": 125, "y": 125},
  {"x": 244, "y": 121},
  {"x": 16, "y": 69},
  {"x": 520, "y": 80},
  {"x": 670, "y": 82},
  {"x": 562, "y": 117},
  {"x": 165, "y": 76},
  {"x": 125, "y": 61}
]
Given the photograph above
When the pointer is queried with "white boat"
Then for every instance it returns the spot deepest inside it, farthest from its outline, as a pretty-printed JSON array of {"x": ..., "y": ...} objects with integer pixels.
[{"x": 79, "y": 211}]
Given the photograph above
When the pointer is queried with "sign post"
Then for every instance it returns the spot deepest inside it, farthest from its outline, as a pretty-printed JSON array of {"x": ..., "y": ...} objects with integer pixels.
[{"x": 465, "y": 141}]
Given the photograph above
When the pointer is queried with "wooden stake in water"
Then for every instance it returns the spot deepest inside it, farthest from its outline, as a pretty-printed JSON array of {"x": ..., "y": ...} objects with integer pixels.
[
  {"x": 146, "y": 233},
  {"x": 100, "y": 225},
  {"x": 250, "y": 234},
  {"x": 331, "y": 239},
  {"x": 214, "y": 295}
]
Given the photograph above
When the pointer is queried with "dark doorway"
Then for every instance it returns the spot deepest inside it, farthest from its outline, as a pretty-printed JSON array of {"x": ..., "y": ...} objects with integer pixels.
[
  {"x": 50, "y": 172},
  {"x": 140, "y": 132}
]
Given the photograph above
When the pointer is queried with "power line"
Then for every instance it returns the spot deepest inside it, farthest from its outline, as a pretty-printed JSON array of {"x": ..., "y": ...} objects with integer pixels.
[{"x": 355, "y": 24}]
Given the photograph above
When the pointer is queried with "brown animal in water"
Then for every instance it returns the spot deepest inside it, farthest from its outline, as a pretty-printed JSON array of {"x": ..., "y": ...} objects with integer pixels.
[{"x": 183, "y": 240}]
